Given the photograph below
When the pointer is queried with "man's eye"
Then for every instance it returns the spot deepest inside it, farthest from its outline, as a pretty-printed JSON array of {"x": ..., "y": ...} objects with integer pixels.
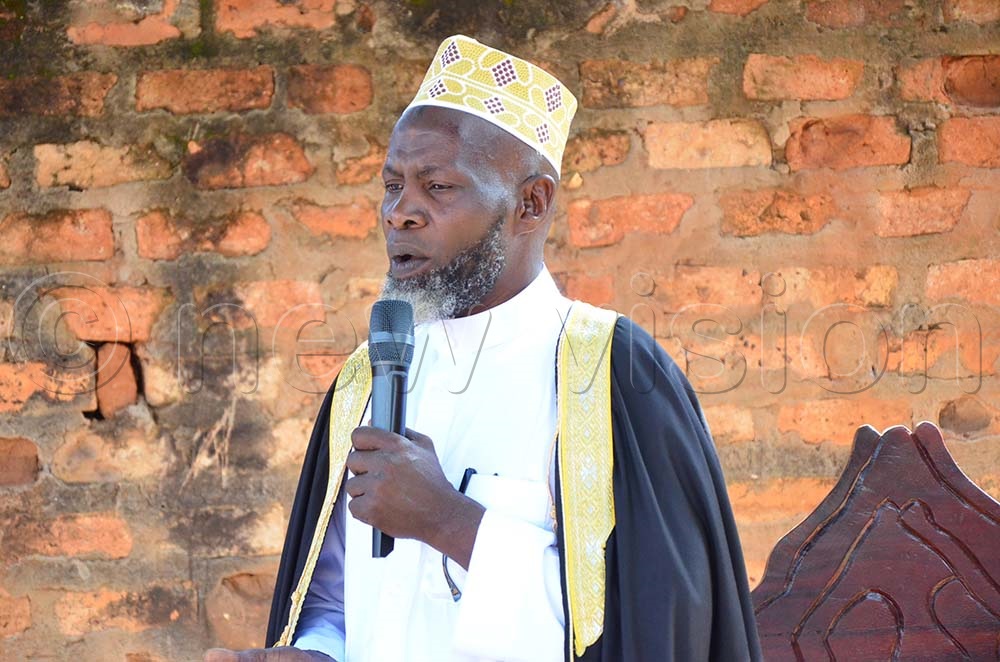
[
  {"x": 393, "y": 187},
  {"x": 439, "y": 187}
]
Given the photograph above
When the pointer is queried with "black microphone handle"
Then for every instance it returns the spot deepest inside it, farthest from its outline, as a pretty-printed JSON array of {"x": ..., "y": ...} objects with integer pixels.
[{"x": 388, "y": 413}]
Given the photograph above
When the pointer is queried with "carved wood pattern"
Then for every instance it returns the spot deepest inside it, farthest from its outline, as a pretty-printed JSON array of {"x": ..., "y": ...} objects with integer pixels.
[{"x": 901, "y": 561}]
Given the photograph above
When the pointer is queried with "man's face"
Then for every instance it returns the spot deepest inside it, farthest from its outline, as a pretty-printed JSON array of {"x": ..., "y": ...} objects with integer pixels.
[{"x": 444, "y": 214}]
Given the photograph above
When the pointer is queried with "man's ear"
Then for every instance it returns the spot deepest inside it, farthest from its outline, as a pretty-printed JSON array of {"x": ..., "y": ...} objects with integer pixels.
[{"x": 538, "y": 195}]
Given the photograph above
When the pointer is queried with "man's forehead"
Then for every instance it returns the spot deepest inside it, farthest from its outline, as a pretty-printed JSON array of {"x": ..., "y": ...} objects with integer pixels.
[{"x": 428, "y": 132}]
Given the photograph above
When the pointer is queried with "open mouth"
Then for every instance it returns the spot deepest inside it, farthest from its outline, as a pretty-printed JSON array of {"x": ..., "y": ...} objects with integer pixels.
[{"x": 406, "y": 264}]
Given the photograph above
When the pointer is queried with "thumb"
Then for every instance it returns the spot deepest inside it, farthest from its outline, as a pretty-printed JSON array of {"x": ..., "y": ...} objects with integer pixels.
[{"x": 221, "y": 655}]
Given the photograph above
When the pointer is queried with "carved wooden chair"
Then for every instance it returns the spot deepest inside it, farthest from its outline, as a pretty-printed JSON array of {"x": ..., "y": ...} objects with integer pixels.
[{"x": 901, "y": 561}]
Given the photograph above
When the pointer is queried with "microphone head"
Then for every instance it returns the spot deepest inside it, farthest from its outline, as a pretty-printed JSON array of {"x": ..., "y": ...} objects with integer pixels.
[{"x": 390, "y": 332}]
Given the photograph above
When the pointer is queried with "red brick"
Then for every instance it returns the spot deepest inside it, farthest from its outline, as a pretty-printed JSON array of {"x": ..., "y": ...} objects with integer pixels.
[
  {"x": 976, "y": 11},
  {"x": 855, "y": 13},
  {"x": 238, "y": 608},
  {"x": 245, "y": 160},
  {"x": 751, "y": 213},
  {"x": 927, "y": 210},
  {"x": 355, "y": 220},
  {"x": 116, "y": 385},
  {"x": 805, "y": 77},
  {"x": 922, "y": 81},
  {"x": 111, "y": 314},
  {"x": 339, "y": 88},
  {"x": 730, "y": 423},
  {"x": 20, "y": 382},
  {"x": 595, "y": 290},
  {"x": 836, "y": 420},
  {"x": 131, "y": 611},
  {"x": 245, "y": 18},
  {"x": 86, "y": 164},
  {"x": 362, "y": 169},
  {"x": 624, "y": 84},
  {"x": 605, "y": 222},
  {"x": 946, "y": 352},
  {"x": 593, "y": 148},
  {"x": 728, "y": 143},
  {"x": 163, "y": 236},
  {"x": 738, "y": 7},
  {"x": 18, "y": 461},
  {"x": 4, "y": 177},
  {"x": 81, "y": 94},
  {"x": 183, "y": 91},
  {"x": 777, "y": 498},
  {"x": 972, "y": 280},
  {"x": 59, "y": 236},
  {"x": 597, "y": 23},
  {"x": 134, "y": 454},
  {"x": 822, "y": 286},
  {"x": 724, "y": 286},
  {"x": 970, "y": 80},
  {"x": 102, "y": 535},
  {"x": 974, "y": 141},
  {"x": 847, "y": 141},
  {"x": 290, "y": 303},
  {"x": 126, "y": 25},
  {"x": 15, "y": 615}
]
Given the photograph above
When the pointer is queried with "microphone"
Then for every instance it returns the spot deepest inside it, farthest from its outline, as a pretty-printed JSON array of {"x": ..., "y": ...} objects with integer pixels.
[{"x": 390, "y": 349}]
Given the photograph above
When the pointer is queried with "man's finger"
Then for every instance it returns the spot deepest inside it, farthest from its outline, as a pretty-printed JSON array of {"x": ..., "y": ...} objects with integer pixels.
[
  {"x": 366, "y": 438},
  {"x": 360, "y": 463},
  {"x": 358, "y": 486},
  {"x": 421, "y": 440},
  {"x": 221, "y": 655}
]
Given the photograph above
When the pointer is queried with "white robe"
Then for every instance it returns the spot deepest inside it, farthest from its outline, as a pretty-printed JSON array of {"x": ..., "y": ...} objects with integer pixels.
[{"x": 483, "y": 389}]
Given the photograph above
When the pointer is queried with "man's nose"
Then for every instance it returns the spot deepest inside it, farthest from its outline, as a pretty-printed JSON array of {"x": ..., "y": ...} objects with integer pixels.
[{"x": 405, "y": 212}]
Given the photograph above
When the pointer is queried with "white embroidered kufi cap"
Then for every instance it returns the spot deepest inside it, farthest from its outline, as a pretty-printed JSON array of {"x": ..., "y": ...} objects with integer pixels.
[{"x": 517, "y": 96}]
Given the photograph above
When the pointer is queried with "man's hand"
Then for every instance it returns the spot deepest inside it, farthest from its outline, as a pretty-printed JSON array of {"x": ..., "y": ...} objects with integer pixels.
[
  {"x": 282, "y": 654},
  {"x": 400, "y": 488}
]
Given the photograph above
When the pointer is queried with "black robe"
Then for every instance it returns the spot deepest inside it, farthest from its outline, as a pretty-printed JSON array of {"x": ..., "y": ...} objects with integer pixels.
[{"x": 676, "y": 585}]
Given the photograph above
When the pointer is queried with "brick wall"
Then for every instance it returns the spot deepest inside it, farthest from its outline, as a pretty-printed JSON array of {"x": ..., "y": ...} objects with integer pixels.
[{"x": 798, "y": 198}]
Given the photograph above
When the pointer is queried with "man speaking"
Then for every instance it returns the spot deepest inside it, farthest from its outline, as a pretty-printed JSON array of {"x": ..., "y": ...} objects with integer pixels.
[{"x": 556, "y": 495}]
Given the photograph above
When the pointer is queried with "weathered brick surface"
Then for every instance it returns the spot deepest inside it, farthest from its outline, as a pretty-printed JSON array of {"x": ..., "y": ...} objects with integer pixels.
[
  {"x": 976, "y": 11},
  {"x": 113, "y": 24},
  {"x": 130, "y": 611},
  {"x": 729, "y": 143},
  {"x": 76, "y": 94},
  {"x": 59, "y": 236},
  {"x": 749, "y": 213},
  {"x": 972, "y": 280},
  {"x": 855, "y": 13},
  {"x": 873, "y": 286},
  {"x": 97, "y": 535},
  {"x": 595, "y": 290},
  {"x": 738, "y": 7},
  {"x": 769, "y": 77},
  {"x": 729, "y": 423},
  {"x": 20, "y": 382},
  {"x": 289, "y": 303},
  {"x": 605, "y": 222},
  {"x": 974, "y": 141},
  {"x": 590, "y": 150},
  {"x": 362, "y": 169},
  {"x": 623, "y": 84},
  {"x": 848, "y": 141},
  {"x": 969, "y": 80},
  {"x": 111, "y": 314},
  {"x": 355, "y": 220},
  {"x": 238, "y": 608},
  {"x": 835, "y": 420},
  {"x": 15, "y": 614},
  {"x": 247, "y": 160},
  {"x": 182, "y": 91},
  {"x": 4, "y": 176},
  {"x": 925, "y": 210},
  {"x": 18, "y": 461},
  {"x": 245, "y": 18},
  {"x": 87, "y": 164},
  {"x": 116, "y": 385},
  {"x": 161, "y": 235},
  {"x": 342, "y": 88},
  {"x": 129, "y": 455}
]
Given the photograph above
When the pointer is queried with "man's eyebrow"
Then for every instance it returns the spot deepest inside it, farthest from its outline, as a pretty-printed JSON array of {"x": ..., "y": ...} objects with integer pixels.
[{"x": 389, "y": 170}]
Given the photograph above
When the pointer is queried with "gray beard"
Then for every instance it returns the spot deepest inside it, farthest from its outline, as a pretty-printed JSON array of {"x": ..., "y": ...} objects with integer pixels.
[{"x": 457, "y": 287}]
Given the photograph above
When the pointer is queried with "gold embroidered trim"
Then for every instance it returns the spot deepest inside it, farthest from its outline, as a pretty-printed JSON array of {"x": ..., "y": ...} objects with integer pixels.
[
  {"x": 349, "y": 401},
  {"x": 586, "y": 461}
]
